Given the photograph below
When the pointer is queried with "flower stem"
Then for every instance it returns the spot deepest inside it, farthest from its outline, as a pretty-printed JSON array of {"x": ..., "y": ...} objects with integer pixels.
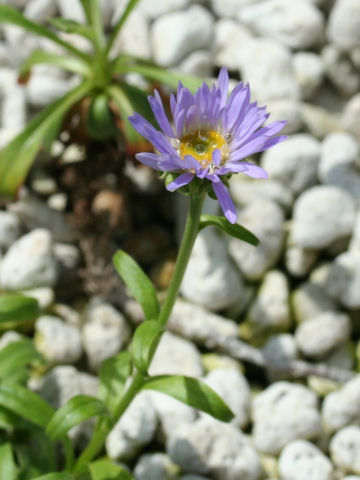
[{"x": 188, "y": 240}]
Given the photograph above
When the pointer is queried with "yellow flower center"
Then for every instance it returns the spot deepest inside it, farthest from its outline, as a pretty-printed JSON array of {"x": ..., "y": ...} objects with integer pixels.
[{"x": 201, "y": 145}]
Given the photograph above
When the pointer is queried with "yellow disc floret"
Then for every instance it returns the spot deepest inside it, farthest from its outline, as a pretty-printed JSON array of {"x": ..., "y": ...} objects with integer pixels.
[{"x": 201, "y": 145}]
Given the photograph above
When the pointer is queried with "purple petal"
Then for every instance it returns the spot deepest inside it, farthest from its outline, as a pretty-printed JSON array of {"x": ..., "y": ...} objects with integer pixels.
[
  {"x": 159, "y": 113},
  {"x": 216, "y": 157},
  {"x": 180, "y": 181},
  {"x": 226, "y": 204},
  {"x": 149, "y": 159},
  {"x": 273, "y": 141},
  {"x": 248, "y": 149},
  {"x": 223, "y": 84},
  {"x": 154, "y": 136}
]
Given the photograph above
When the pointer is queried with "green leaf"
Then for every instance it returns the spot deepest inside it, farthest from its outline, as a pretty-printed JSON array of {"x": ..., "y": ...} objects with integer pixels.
[
  {"x": 138, "y": 283},
  {"x": 66, "y": 62},
  {"x": 129, "y": 99},
  {"x": 16, "y": 355},
  {"x": 106, "y": 470},
  {"x": 34, "y": 453},
  {"x": 75, "y": 411},
  {"x": 71, "y": 26},
  {"x": 100, "y": 122},
  {"x": 145, "y": 341},
  {"x": 113, "y": 374},
  {"x": 56, "y": 476},
  {"x": 116, "y": 29},
  {"x": 192, "y": 392},
  {"x": 25, "y": 403},
  {"x": 8, "y": 469},
  {"x": 158, "y": 74},
  {"x": 234, "y": 230},
  {"x": 10, "y": 420},
  {"x": 17, "y": 157},
  {"x": 10, "y": 15},
  {"x": 18, "y": 309}
]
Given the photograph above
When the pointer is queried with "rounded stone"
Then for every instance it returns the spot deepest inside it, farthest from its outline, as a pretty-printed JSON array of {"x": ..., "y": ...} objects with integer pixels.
[
  {"x": 340, "y": 70},
  {"x": 297, "y": 25},
  {"x": 233, "y": 388},
  {"x": 342, "y": 407},
  {"x": 155, "y": 466},
  {"x": 134, "y": 430},
  {"x": 338, "y": 163},
  {"x": 105, "y": 333},
  {"x": 343, "y": 281},
  {"x": 322, "y": 215},
  {"x": 309, "y": 72},
  {"x": 266, "y": 220},
  {"x": 351, "y": 116},
  {"x": 29, "y": 262},
  {"x": 345, "y": 449},
  {"x": 57, "y": 341},
  {"x": 318, "y": 336},
  {"x": 301, "y": 459},
  {"x": 343, "y": 27},
  {"x": 215, "y": 448},
  {"x": 294, "y": 162},
  {"x": 275, "y": 424},
  {"x": 211, "y": 279},
  {"x": 9, "y": 229},
  {"x": 176, "y": 34},
  {"x": 310, "y": 300}
]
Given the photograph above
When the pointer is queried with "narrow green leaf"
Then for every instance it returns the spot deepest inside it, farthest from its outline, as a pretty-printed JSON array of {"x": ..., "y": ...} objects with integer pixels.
[
  {"x": 75, "y": 411},
  {"x": 157, "y": 74},
  {"x": 16, "y": 308},
  {"x": 16, "y": 355},
  {"x": 138, "y": 283},
  {"x": 104, "y": 469},
  {"x": 25, "y": 403},
  {"x": 125, "y": 104},
  {"x": 66, "y": 62},
  {"x": 113, "y": 374},
  {"x": 56, "y": 476},
  {"x": 192, "y": 392},
  {"x": 34, "y": 453},
  {"x": 234, "y": 230},
  {"x": 17, "y": 157},
  {"x": 8, "y": 469},
  {"x": 145, "y": 341},
  {"x": 10, "y": 15},
  {"x": 128, "y": 9},
  {"x": 72, "y": 26},
  {"x": 9, "y": 419}
]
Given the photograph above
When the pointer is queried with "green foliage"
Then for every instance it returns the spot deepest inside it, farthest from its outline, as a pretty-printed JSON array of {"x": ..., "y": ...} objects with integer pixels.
[
  {"x": 15, "y": 356},
  {"x": 192, "y": 392},
  {"x": 75, "y": 411},
  {"x": 8, "y": 469},
  {"x": 234, "y": 230},
  {"x": 106, "y": 470},
  {"x": 113, "y": 374},
  {"x": 138, "y": 283},
  {"x": 102, "y": 80},
  {"x": 26, "y": 404},
  {"x": 145, "y": 341},
  {"x": 55, "y": 476},
  {"x": 17, "y": 309}
]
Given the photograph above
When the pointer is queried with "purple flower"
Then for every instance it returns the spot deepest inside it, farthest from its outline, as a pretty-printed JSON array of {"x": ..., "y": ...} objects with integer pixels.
[{"x": 211, "y": 135}]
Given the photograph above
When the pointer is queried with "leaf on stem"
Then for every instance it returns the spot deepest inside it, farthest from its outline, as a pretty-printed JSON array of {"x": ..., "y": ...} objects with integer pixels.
[
  {"x": 17, "y": 355},
  {"x": 157, "y": 74},
  {"x": 235, "y": 230},
  {"x": 75, "y": 411},
  {"x": 56, "y": 476},
  {"x": 66, "y": 62},
  {"x": 15, "y": 309},
  {"x": 8, "y": 468},
  {"x": 117, "y": 27},
  {"x": 192, "y": 392},
  {"x": 145, "y": 341},
  {"x": 72, "y": 26},
  {"x": 25, "y": 403},
  {"x": 113, "y": 374},
  {"x": 104, "y": 469},
  {"x": 10, "y": 15},
  {"x": 16, "y": 158},
  {"x": 138, "y": 283}
]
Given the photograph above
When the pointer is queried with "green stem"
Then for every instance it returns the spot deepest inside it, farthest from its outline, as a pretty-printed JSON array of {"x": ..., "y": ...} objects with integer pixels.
[
  {"x": 188, "y": 240},
  {"x": 128, "y": 9},
  {"x": 69, "y": 453}
]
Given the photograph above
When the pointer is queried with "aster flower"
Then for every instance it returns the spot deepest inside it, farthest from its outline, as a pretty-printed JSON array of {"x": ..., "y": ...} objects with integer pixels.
[{"x": 211, "y": 135}]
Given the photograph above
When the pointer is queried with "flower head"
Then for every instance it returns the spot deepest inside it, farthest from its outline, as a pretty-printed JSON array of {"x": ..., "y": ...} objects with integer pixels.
[{"x": 210, "y": 136}]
